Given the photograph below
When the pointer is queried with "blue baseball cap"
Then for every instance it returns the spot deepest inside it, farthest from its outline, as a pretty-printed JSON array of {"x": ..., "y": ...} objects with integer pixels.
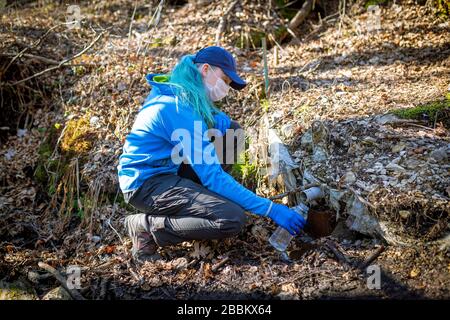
[{"x": 219, "y": 57}]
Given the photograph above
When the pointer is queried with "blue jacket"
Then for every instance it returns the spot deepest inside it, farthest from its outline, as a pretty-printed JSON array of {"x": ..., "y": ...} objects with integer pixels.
[{"x": 148, "y": 148}]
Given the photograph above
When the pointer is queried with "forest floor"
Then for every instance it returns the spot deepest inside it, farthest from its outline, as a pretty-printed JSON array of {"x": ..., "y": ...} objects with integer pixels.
[{"x": 333, "y": 92}]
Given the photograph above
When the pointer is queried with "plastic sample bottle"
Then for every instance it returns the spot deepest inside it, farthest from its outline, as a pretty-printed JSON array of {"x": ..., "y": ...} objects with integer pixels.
[{"x": 281, "y": 238}]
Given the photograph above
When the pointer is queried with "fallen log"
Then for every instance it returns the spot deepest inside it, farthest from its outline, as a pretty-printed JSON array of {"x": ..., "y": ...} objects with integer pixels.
[{"x": 371, "y": 258}]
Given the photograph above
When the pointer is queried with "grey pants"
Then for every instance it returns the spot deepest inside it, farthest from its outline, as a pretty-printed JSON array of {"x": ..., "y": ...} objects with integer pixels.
[{"x": 179, "y": 208}]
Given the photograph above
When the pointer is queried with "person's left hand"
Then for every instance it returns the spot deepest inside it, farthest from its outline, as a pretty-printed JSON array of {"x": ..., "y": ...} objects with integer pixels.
[{"x": 222, "y": 122}]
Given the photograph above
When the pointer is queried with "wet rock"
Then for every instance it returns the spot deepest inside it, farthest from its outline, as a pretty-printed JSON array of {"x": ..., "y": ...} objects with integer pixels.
[
  {"x": 440, "y": 155},
  {"x": 398, "y": 147},
  {"x": 306, "y": 140},
  {"x": 366, "y": 186},
  {"x": 319, "y": 154},
  {"x": 349, "y": 178},
  {"x": 359, "y": 218},
  {"x": 94, "y": 121},
  {"x": 386, "y": 118},
  {"x": 121, "y": 86},
  {"x": 395, "y": 167}
]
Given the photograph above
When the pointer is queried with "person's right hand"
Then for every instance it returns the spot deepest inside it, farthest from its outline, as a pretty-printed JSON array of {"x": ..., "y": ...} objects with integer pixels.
[{"x": 287, "y": 218}]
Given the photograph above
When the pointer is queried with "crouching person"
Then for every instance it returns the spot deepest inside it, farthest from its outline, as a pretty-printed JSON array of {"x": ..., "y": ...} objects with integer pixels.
[{"x": 163, "y": 170}]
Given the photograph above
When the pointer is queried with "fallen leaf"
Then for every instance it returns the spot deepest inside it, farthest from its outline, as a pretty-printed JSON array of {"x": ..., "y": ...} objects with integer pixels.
[
  {"x": 207, "y": 273},
  {"x": 414, "y": 272},
  {"x": 200, "y": 250}
]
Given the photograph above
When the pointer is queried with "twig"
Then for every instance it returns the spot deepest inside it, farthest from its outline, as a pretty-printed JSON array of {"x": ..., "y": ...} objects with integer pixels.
[
  {"x": 300, "y": 275},
  {"x": 157, "y": 15},
  {"x": 360, "y": 198},
  {"x": 74, "y": 294},
  {"x": 301, "y": 14},
  {"x": 32, "y": 56},
  {"x": 131, "y": 25},
  {"x": 47, "y": 60},
  {"x": 266, "y": 69},
  {"x": 371, "y": 258},
  {"x": 223, "y": 22},
  {"x": 192, "y": 263},
  {"x": 219, "y": 264},
  {"x": 63, "y": 62},
  {"x": 339, "y": 255},
  {"x": 33, "y": 45}
]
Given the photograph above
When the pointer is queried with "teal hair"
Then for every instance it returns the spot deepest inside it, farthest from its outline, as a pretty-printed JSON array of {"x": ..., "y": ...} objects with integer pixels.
[{"x": 190, "y": 88}]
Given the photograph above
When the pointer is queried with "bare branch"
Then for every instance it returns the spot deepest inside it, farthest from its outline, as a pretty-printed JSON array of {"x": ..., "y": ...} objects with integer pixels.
[{"x": 62, "y": 63}]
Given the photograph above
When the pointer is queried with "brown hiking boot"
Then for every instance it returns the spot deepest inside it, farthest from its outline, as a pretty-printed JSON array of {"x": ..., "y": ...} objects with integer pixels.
[{"x": 144, "y": 246}]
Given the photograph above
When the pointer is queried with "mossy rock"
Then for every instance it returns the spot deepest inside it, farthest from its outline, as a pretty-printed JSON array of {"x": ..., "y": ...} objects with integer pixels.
[
  {"x": 17, "y": 290},
  {"x": 59, "y": 293}
]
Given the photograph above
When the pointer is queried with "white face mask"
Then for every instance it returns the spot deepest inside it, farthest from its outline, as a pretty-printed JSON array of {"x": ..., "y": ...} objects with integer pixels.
[{"x": 219, "y": 90}]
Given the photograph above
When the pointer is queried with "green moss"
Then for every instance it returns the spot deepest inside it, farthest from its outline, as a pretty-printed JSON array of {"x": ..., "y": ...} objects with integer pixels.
[
  {"x": 265, "y": 103},
  {"x": 19, "y": 289},
  {"x": 51, "y": 167},
  {"x": 443, "y": 7},
  {"x": 255, "y": 39},
  {"x": 40, "y": 174},
  {"x": 157, "y": 42},
  {"x": 244, "y": 170},
  {"x": 374, "y": 3},
  {"x": 80, "y": 213},
  {"x": 251, "y": 40},
  {"x": 280, "y": 33},
  {"x": 430, "y": 110},
  {"x": 78, "y": 137},
  {"x": 45, "y": 152},
  {"x": 78, "y": 70}
]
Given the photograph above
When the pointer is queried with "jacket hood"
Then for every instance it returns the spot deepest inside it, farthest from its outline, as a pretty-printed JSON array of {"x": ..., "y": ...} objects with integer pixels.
[{"x": 160, "y": 83}]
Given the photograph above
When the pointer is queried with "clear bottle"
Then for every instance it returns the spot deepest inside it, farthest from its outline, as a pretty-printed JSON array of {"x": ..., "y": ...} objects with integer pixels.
[{"x": 281, "y": 238}]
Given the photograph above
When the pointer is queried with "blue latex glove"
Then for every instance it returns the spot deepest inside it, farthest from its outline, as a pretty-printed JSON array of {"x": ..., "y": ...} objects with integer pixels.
[
  {"x": 287, "y": 218},
  {"x": 222, "y": 122}
]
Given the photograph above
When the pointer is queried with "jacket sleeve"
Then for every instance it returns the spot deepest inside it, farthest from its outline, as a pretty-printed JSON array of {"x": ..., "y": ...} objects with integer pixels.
[{"x": 188, "y": 134}]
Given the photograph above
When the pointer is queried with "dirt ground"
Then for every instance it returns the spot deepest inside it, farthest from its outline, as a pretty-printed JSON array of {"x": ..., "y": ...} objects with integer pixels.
[{"x": 61, "y": 134}]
